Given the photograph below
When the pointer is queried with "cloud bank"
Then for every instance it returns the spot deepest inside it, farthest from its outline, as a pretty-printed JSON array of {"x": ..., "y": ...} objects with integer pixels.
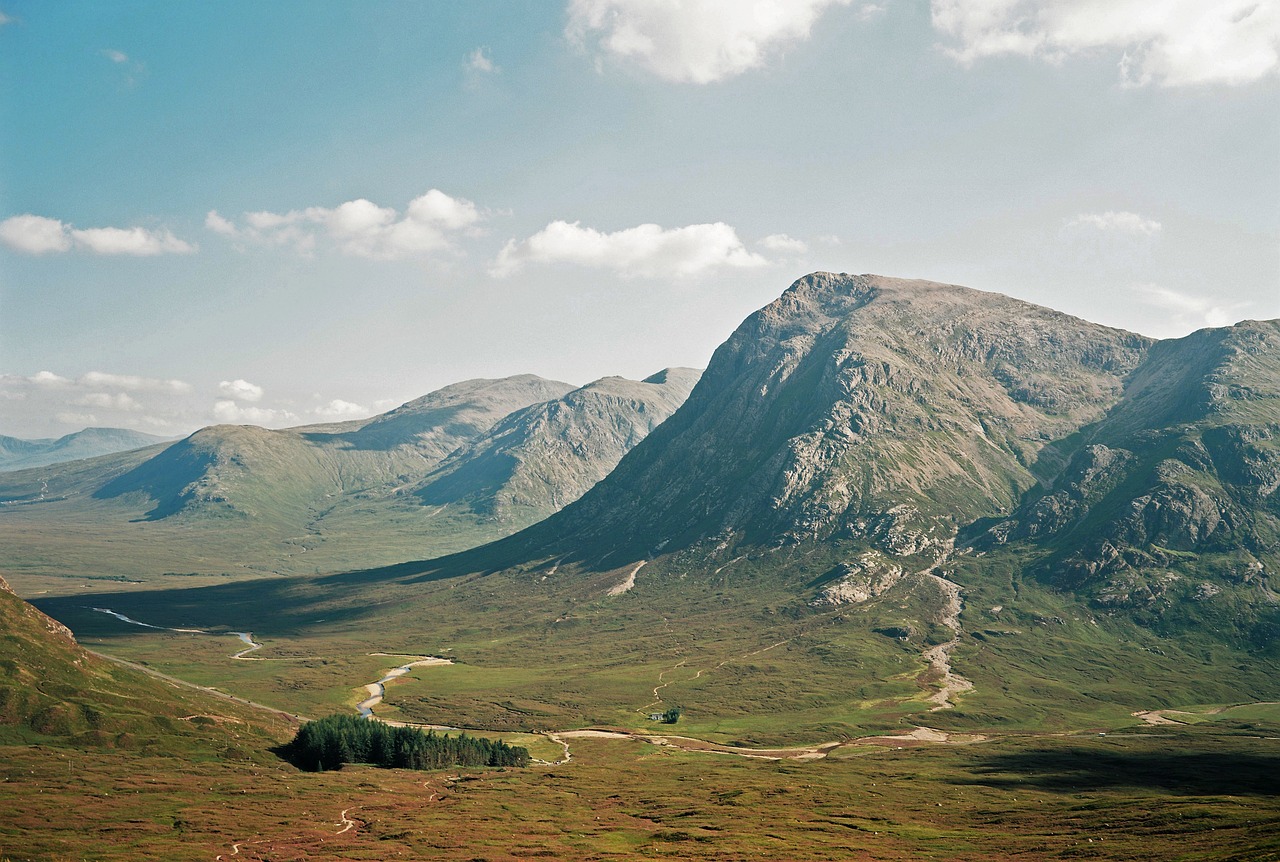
[
  {"x": 1169, "y": 43},
  {"x": 37, "y": 235},
  {"x": 360, "y": 228},
  {"x": 696, "y": 41},
  {"x": 647, "y": 250}
]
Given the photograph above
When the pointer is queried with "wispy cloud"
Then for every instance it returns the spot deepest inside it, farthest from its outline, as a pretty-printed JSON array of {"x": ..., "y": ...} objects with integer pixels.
[
  {"x": 696, "y": 41},
  {"x": 1164, "y": 42},
  {"x": 241, "y": 390},
  {"x": 233, "y": 413},
  {"x": 100, "y": 397},
  {"x": 647, "y": 250},
  {"x": 1113, "y": 241},
  {"x": 1122, "y": 222},
  {"x": 1188, "y": 310},
  {"x": 871, "y": 11},
  {"x": 480, "y": 61},
  {"x": 783, "y": 244},
  {"x": 109, "y": 401},
  {"x": 38, "y": 235},
  {"x": 430, "y": 223},
  {"x": 133, "y": 70},
  {"x": 339, "y": 409}
]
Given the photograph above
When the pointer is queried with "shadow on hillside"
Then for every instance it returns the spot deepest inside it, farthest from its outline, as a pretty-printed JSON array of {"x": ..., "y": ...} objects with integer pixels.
[
  {"x": 1196, "y": 773},
  {"x": 269, "y": 606},
  {"x": 284, "y": 606}
]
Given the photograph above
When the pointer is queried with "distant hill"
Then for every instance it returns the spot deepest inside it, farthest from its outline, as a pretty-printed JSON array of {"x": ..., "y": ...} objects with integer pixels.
[
  {"x": 293, "y": 475},
  {"x": 466, "y": 464},
  {"x": 16, "y": 454},
  {"x": 538, "y": 460}
]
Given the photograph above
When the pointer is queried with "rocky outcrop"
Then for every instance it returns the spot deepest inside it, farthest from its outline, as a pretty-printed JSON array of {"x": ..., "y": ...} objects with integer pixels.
[{"x": 861, "y": 580}]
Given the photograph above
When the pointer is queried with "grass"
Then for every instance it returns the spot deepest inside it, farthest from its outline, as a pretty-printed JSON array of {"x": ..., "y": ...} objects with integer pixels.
[
  {"x": 1183, "y": 794},
  {"x": 741, "y": 652}
]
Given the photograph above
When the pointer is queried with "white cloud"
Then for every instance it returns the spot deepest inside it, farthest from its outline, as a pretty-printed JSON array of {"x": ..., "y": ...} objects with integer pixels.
[
  {"x": 1123, "y": 222},
  {"x": 647, "y": 250},
  {"x": 339, "y": 409},
  {"x": 219, "y": 225},
  {"x": 134, "y": 241},
  {"x": 50, "y": 400},
  {"x": 480, "y": 61},
  {"x": 780, "y": 242},
  {"x": 97, "y": 380},
  {"x": 33, "y": 234},
  {"x": 698, "y": 41},
  {"x": 238, "y": 414},
  {"x": 115, "y": 56},
  {"x": 48, "y": 378},
  {"x": 109, "y": 401},
  {"x": 5, "y": 19},
  {"x": 132, "y": 382},
  {"x": 1188, "y": 310},
  {"x": 361, "y": 228},
  {"x": 241, "y": 390},
  {"x": 1165, "y": 42}
]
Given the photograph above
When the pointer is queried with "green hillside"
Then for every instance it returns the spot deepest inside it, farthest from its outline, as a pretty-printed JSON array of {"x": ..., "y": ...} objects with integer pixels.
[{"x": 464, "y": 465}]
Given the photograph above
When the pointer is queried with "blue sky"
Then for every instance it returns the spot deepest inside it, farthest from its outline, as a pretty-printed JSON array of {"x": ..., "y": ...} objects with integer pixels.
[{"x": 288, "y": 212}]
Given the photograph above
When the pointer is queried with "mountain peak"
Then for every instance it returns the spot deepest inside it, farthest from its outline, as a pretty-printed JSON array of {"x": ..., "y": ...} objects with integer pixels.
[{"x": 863, "y": 406}]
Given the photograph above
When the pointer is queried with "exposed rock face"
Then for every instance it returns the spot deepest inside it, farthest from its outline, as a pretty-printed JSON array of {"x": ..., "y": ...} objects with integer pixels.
[
  {"x": 540, "y": 459},
  {"x": 1185, "y": 462},
  {"x": 859, "y": 406},
  {"x": 871, "y": 575}
]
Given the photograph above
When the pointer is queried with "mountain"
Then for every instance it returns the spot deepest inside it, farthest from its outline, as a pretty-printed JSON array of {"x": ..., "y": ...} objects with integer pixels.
[
  {"x": 885, "y": 502},
  {"x": 16, "y": 454},
  {"x": 246, "y": 471},
  {"x": 936, "y": 497},
  {"x": 540, "y": 459},
  {"x": 1168, "y": 507},
  {"x": 466, "y": 464},
  {"x": 864, "y": 408}
]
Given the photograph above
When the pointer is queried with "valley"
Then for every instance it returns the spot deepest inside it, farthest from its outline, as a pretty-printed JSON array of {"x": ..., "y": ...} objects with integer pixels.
[{"x": 919, "y": 582}]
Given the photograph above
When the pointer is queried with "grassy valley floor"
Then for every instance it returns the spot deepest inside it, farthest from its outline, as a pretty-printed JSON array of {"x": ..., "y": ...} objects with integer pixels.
[{"x": 1170, "y": 793}]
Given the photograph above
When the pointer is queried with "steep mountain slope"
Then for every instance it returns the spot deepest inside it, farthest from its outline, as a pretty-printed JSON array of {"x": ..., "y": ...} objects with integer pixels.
[
  {"x": 16, "y": 454},
  {"x": 540, "y": 459},
  {"x": 860, "y": 407},
  {"x": 1168, "y": 510}
]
